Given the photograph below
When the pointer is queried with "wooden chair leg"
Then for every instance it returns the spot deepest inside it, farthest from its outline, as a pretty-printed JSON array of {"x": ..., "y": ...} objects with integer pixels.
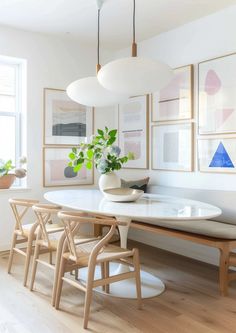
[
  {"x": 27, "y": 259},
  {"x": 88, "y": 294},
  {"x": 107, "y": 273},
  {"x": 103, "y": 274},
  {"x": 223, "y": 270},
  {"x": 60, "y": 283},
  {"x": 56, "y": 271},
  {"x": 137, "y": 277},
  {"x": 34, "y": 268},
  {"x": 11, "y": 253},
  {"x": 50, "y": 257}
]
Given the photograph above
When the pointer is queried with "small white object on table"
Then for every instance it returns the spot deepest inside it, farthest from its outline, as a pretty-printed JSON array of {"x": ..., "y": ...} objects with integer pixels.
[{"x": 150, "y": 207}]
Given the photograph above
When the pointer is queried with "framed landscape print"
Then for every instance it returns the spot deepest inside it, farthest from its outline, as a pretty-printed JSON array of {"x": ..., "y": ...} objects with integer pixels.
[
  {"x": 217, "y": 95},
  {"x": 172, "y": 147},
  {"x": 56, "y": 171},
  {"x": 65, "y": 121},
  {"x": 175, "y": 101},
  {"x": 217, "y": 155},
  {"x": 133, "y": 131}
]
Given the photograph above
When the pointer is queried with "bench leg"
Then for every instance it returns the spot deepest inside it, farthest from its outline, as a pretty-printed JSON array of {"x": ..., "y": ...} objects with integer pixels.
[{"x": 223, "y": 269}]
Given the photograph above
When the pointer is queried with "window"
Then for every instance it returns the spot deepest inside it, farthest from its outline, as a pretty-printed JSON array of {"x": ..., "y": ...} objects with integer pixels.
[{"x": 11, "y": 110}]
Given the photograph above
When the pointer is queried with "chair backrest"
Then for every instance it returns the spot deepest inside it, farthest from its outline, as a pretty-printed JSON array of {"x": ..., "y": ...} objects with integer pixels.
[
  {"x": 44, "y": 214},
  {"x": 20, "y": 207},
  {"x": 72, "y": 222}
]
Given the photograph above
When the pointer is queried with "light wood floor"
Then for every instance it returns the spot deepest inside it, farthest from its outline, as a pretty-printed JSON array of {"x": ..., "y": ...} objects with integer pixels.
[{"x": 190, "y": 304}]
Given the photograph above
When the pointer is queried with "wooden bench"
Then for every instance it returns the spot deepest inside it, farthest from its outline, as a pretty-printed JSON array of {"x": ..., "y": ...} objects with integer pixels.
[{"x": 225, "y": 246}]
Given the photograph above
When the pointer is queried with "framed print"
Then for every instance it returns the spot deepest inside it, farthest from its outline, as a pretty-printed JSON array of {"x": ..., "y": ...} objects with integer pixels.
[
  {"x": 217, "y": 155},
  {"x": 56, "y": 171},
  {"x": 133, "y": 131},
  {"x": 217, "y": 95},
  {"x": 175, "y": 101},
  {"x": 172, "y": 147},
  {"x": 65, "y": 121}
]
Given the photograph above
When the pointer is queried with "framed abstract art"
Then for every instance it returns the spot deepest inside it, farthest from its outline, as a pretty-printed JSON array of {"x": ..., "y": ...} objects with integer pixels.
[
  {"x": 217, "y": 155},
  {"x": 65, "y": 121},
  {"x": 56, "y": 171},
  {"x": 172, "y": 147},
  {"x": 133, "y": 131},
  {"x": 217, "y": 95},
  {"x": 175, "y": 101}
]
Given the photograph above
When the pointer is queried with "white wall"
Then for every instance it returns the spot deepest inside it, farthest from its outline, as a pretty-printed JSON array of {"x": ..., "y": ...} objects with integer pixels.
[
  {"x": 203, "y": 39},
  {"x": 51, "y": 62}
]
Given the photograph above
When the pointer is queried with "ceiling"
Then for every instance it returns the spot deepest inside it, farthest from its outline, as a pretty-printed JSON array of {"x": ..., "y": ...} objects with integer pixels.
[{"x": 77, "y": 18}]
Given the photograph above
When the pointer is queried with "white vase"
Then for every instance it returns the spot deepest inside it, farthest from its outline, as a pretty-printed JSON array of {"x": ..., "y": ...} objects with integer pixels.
[{"x": 109, "y": 180}]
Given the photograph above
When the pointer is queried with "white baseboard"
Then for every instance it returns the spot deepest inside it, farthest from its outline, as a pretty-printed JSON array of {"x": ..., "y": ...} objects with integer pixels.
[
  {"x": 189, "y": 249},
  {"x": 5, "y": 247}
]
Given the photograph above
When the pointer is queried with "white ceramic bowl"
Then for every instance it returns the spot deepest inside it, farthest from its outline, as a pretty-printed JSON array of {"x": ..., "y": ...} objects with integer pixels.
[{"x": 122, "y": 194}]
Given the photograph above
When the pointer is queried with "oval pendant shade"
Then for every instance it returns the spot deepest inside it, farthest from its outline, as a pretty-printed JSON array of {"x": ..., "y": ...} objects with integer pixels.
[
  {"x": 88, "y": 91},
  {"x": 134, "y": 76}
]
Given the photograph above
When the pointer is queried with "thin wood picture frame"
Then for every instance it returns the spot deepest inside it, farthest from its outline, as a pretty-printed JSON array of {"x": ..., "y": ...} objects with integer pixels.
[
  {"x": 173, "y": 141},
  {"x": 141, "y": 133},
  {"x": 216, "y": 95},
  {"x": 64, "y": 118},
  {"x": 62, "y": 174},
  {"x": 216, "y": 154},
  {"x": 177, "y": 97}
]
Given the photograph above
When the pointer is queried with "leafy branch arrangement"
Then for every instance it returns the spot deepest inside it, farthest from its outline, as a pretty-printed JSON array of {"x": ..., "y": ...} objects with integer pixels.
[{"x": 101, "y": 151}]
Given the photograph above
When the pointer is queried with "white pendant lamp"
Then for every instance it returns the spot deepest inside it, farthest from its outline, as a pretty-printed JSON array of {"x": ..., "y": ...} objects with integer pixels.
[
  {"x": 134, "y": 75},
  {"x": 88, "y": 91}
]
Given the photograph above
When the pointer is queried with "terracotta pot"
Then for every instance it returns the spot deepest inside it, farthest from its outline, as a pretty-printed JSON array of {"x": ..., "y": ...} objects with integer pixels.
[{"x": 6, "y": 181}]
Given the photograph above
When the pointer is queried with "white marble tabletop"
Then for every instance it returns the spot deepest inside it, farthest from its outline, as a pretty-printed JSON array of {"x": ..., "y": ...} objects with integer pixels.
[{"x": 148, "y": 207}]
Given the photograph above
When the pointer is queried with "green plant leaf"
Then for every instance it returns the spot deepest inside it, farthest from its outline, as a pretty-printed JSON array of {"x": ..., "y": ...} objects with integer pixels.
[
  {"x": 78, "y": 167},
  {"x": 111, "y": 141},
  {"x": 72, "y": 156},
  {"x": 89, "y": 165},
  {"x": 74, "y": 150},
  {"x": 80, "y": 161},
  {"x": 113, "y": 132},
  {"x": 100, "y": 132},
  {"x": 90, "y": 154},
  {"x": 70, "y": 164}
]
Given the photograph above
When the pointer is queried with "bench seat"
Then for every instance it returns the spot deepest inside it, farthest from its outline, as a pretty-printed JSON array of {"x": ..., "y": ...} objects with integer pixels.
[{"x": 201, "y": 227}]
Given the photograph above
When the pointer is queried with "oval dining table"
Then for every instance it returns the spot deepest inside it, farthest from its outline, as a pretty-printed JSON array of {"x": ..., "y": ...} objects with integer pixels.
[{"x": 149, "y": 208}]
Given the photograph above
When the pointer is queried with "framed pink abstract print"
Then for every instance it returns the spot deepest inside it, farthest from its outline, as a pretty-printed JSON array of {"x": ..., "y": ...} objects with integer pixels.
[
  {"x": 175, "y": 101},
  {"x": 56, "y": 171},
  {"x": 172, "y": 147},
  {"x": 217, "y": 95},
  {"x": 133, "y": 131}
]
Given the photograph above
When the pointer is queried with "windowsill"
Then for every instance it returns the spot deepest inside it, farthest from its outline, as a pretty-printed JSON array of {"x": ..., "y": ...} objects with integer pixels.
[{"x": 15, "y": 189}]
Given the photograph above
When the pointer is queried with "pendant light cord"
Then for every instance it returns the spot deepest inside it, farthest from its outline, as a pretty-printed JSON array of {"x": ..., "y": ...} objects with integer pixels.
[
  {"x": 134, "y": 45},
  {"x": 98, "y": 42},
  {"x": 134, "y": 10}
]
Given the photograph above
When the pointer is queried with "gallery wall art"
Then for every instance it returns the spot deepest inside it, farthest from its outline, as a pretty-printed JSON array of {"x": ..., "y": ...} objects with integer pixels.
[
  {"x": 172, "y": 147},
  {"x": 65, "y": 121},
  {"x": 58, "y": 173},
  {"x": 175, "y": 101},
  {"x": 133, "y": 131},
  {"x": 217, "y": 155},
  {"x": 217, "y": 95}
]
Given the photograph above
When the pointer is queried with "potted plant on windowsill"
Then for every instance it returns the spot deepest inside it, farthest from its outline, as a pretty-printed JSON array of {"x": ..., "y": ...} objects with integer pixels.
[
  {"x": 104, "y": 154},
  {"x": 8, "y": 173}
]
